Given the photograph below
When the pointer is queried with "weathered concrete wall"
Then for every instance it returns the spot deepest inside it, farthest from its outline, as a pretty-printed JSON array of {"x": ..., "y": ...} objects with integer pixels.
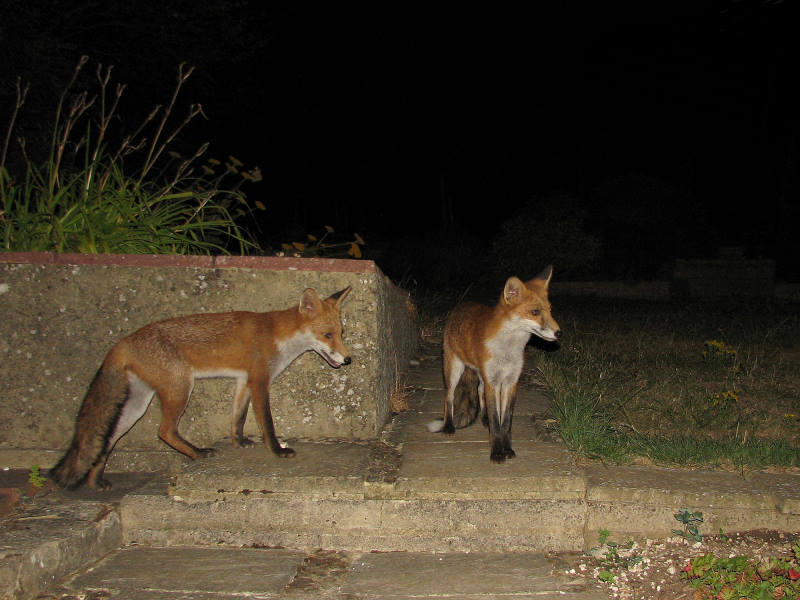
[{"x": 62, "y": 313}]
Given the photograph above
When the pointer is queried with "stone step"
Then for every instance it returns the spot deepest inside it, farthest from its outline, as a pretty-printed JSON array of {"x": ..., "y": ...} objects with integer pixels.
[
  {"x": 441, "y": 496},
  {"x": 341, "y": 496},
  {"x": 142, "y": 573}
]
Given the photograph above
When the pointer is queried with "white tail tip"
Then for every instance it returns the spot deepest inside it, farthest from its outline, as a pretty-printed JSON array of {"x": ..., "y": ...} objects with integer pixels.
[{"x": 436, "y": 425}]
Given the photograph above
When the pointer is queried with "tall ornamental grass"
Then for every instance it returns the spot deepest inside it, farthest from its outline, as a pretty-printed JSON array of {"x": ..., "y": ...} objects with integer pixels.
[{"x": 86, "y": 196}]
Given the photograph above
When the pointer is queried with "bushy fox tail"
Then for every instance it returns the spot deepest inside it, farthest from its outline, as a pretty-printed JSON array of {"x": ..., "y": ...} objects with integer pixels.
[
  {"x": 466, "y": 404},
  {"x": 95, "y": 423}
]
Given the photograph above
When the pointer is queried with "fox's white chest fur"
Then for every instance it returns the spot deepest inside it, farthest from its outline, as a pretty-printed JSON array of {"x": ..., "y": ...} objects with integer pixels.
[{"x": 507, "y": 353}]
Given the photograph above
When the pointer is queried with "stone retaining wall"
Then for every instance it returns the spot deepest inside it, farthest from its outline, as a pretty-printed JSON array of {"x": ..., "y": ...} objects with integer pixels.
[{"x": 62, "y": 313}]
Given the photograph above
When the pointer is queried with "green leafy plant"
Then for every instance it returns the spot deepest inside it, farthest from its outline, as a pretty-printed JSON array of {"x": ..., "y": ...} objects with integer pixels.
[
  {"x": 613, "y": 556},
  {"x": 738, "y": 577},
  {"x": 35, "y": 477},
  {"x": 691, "y": 524},
  {"x": 85, "y": 196},
  {"x": 606, "y": 577},
  {"x": 603, "y": 535}
]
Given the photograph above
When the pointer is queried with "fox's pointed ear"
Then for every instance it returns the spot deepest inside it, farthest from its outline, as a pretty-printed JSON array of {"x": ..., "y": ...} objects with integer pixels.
[
  {"x": 512, "y": 292},
  {"x": 340, "y": 295},
  {"x": 310, "y": 302},
  {"x": 546, "y": 275}
]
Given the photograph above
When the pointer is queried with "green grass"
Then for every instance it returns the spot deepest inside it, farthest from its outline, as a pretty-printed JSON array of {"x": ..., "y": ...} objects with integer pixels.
[
  {"x": 689, "y": 384},
  {"x": 130, "y": 195}
]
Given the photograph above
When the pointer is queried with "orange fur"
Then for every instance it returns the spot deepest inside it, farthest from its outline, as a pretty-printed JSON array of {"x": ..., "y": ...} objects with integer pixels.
[
  {"x": 491, "y": 341},
  {"x": 167, "y": 356}
]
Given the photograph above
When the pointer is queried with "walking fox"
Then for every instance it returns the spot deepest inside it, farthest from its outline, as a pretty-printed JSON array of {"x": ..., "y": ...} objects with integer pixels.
[
  {"x": 167, "y": 356},
  {"x": 491, "y": 341}
]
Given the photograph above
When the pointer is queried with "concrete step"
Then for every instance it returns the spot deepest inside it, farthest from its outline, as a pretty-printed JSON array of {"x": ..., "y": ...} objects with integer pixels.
[
  {"x": 440, "y": 497},
  {"x": 428, "y": 502},
  {"x": 234, "y": 573},
  {"x": 413, "y": 491},
  {"x": 47, "y": 535}
]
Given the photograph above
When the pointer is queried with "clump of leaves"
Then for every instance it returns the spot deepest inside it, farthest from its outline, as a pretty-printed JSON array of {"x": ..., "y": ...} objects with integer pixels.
[
  {"x": 606, "y": 576},
  {"x": 741, "y": 577},
  {"x": 691, "y": 525},
  {"x": 614, "y": 556},
  {"x": 717, "y": 351},
  {"x": 35, "y": 477},
  {"x": 322, "y": 247}
]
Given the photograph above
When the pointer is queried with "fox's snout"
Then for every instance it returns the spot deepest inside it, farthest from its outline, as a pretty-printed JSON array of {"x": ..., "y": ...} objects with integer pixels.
[
  {"x": 549, "y": 335},
  {"x": 338, "y": 363},
  {"x": 334, "y": 357},
  {"x": 547, "y": 330}
]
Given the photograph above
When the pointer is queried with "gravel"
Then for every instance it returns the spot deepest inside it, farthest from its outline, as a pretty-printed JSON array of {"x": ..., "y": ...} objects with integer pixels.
[{"x": 651, "y": 569}]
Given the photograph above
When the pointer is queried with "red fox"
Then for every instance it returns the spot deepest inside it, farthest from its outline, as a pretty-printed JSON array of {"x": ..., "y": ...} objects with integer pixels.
[
  {"x": 491, "y": 342},
  {"x": 167, "y": 356}
]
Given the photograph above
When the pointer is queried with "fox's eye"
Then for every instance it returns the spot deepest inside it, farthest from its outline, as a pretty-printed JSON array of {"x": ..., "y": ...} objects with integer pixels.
[
  {"x": 536, "y": 312},
  {"x": 327, "y": 335}
]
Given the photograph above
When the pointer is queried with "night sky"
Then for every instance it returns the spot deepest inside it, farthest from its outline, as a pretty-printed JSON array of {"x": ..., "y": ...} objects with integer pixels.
[{"x": 401, "y": 122}]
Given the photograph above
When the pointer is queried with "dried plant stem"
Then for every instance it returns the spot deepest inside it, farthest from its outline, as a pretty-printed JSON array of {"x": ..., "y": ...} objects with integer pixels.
[
  {"x": 155, "y": 150},
  {"x": 56, "y": 149},
  {"x": 20, "y": 100}
]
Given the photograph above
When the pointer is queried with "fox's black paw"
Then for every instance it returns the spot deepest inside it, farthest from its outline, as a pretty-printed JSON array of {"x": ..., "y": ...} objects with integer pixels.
[
  {"x": 285, "y": 453},
  {"x": 100, "y": 484},
  {"x": 497, "y": 457},
  {"x": 509, "y": 453},
  {"x": 243, "y": 443},
  {"x": 448, "y": 429}
]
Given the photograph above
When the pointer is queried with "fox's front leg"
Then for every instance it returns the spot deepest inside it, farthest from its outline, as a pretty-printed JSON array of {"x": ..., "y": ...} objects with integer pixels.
[
  {"x": 498, "y": 454},
  {"x": 259, "y": 395}
]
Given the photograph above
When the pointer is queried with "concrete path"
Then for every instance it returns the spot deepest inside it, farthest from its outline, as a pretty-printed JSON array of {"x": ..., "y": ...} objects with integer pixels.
[
  {"x": 183, "y": 573},
  {"x": 414, "y": 515}
]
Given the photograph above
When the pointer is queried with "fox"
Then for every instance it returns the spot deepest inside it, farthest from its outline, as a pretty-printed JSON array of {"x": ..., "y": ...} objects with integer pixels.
[
  {"x": 483, "y": 352},
  {"x": 166, "y": 357}
]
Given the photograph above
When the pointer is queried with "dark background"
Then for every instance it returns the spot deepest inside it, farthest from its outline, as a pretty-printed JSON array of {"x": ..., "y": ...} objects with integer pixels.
[{"x": 609, "y": 138}]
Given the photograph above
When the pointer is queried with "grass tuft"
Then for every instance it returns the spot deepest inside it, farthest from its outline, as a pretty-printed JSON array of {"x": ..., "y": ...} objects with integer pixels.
[
  {"x": 656, "y": 381},
  {"x": 85, "y": 196}
]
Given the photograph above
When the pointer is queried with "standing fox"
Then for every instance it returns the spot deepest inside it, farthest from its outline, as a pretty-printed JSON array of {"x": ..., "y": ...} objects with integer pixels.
[
  {"x": 491, "y": 342},
  {"x": 167, "y": 356}
]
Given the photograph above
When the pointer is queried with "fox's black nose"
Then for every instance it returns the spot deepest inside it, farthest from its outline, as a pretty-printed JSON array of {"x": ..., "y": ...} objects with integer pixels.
[
  {"x": 558, "y": 334},
  {"x": 346, "y": 361}
]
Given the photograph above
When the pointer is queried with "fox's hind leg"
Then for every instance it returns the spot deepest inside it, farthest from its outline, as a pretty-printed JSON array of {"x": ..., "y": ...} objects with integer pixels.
[
  {"x": 95, "y": 479},
  {"x": 482, "y": 399},
  {"x": 138, "y": 397},
  {"x": 453, "y": 369},
  {"x": 174, "y": 397},
  {"x": 509, "y": 396},
  {"x": 241, "y": 400}
]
